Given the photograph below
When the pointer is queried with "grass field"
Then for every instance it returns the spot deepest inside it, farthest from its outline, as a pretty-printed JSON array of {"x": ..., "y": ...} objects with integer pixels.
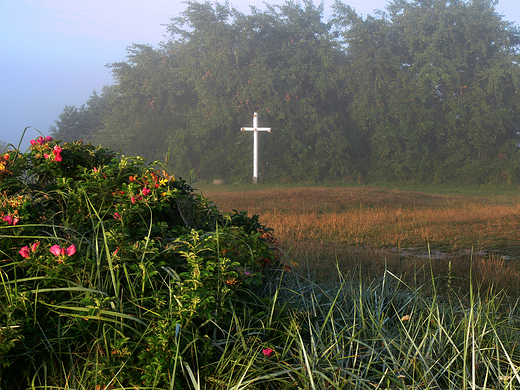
[
  {"x": 369, "y": 229},
  {"x": 395, "y": 289}
]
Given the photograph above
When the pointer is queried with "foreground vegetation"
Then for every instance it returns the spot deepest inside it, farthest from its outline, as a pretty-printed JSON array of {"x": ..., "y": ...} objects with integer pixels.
[
  {"x": 112, "y": 268},
  {"x": 115, "y": 275}
]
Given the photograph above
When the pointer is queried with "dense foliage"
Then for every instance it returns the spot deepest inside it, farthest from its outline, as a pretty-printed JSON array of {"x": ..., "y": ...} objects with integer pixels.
[
  {"x": 108, "y": 259},
  {"x": 426, "y": 91}
]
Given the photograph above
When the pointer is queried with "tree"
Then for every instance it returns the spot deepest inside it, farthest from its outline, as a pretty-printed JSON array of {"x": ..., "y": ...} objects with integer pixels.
[
  {"x": 281, "y": 63},
  {"x": 427, "y": 90},
  {"x": 191, "y": 95},
  {"x": 438, "y": 96},
  {"x": 3, "y": 147},
  {"x": 80, "y": 123},
  {"x": 137, "y": 111}
]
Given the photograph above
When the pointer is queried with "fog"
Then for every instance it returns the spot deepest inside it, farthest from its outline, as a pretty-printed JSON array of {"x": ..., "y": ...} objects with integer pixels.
[{"x": 54, "y": 52}]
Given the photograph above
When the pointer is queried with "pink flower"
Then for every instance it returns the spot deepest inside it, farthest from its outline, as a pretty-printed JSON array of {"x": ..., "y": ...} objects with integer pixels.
[
  {"x": 117, "y": 216},
  {"x": 56, "y": 250},
  {"x": 11, "y": 220},
  {"x": 34, "y": 246},
  {"x": 70, "y": 250},
  {"x": 57, "y": 150},
  {"x": 146, "y": 191},
  {"x": 40, "y": 140},
  {"x": 134, "y": 199},
  {"x": 95, "y": 169},
  {"x": 25, "y": 252},
  {"x": 268, "y": 352}
]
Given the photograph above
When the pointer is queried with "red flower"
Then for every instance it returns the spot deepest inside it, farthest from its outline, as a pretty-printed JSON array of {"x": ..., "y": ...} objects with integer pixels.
[
  {"x": 134, "y": 199},
  {"x": 57, "y": 150},
  {"x": 40, "y": 140},
  {"x": 268, "y": 352},
  {"x": 56, "y": 250},
  {"x": 25, "y": 252},
  {"x": 11, "y": 220},
  {"x": 146, "y": 191}
]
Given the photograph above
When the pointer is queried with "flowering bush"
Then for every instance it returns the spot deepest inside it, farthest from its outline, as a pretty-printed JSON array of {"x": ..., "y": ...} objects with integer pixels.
[{"x": 107, "y": 255}]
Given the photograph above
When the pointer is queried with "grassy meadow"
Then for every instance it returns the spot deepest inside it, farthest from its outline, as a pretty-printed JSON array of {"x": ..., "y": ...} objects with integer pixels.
[{"x": 370, "y": 229}]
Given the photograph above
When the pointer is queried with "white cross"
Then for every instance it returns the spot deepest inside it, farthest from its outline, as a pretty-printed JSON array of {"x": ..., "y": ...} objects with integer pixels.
[{"x": 255, "y": 129}]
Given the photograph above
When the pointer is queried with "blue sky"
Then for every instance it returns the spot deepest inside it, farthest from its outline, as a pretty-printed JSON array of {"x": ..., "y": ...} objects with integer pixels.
[{"x": 53, "y": 52}]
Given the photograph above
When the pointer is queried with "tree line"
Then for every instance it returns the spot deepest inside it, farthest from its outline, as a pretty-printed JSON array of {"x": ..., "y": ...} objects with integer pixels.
[{"x": 427, "y": 90}]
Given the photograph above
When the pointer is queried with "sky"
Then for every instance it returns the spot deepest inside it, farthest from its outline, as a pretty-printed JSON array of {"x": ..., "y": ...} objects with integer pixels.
[{"x": 54, "y": 53}]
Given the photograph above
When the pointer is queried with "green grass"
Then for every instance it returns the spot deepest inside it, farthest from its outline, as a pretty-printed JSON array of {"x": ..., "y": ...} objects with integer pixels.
[
  {"x": 501, "y": 191},
  {"x": 383, "y": 334},
  {"x": 465, "y": 190},
  {"x": 348, "y": 334}
]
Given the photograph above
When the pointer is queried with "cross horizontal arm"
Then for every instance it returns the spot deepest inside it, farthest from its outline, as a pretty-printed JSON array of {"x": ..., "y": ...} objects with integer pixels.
[{"x": 268, "y": 129}]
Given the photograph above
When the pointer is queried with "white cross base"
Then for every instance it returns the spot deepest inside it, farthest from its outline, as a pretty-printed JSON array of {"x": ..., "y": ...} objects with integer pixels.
[{"x": 255, "y": 129}]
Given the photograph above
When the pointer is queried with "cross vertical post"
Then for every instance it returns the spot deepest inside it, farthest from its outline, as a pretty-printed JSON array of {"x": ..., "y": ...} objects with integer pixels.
[{"x": 255, "y": 129}]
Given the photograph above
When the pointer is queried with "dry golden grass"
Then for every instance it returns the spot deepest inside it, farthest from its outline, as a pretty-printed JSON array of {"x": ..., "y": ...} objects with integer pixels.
[{"x": 370, "y": 229}]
